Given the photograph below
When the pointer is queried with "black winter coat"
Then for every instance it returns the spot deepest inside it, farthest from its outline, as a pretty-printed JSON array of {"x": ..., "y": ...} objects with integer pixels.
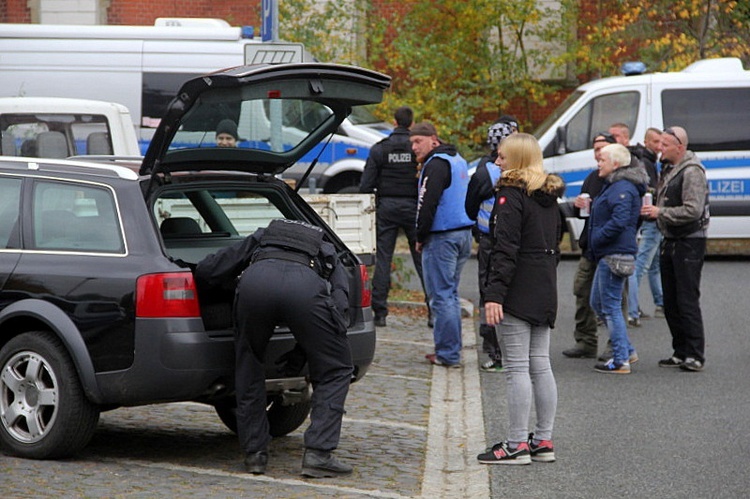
[{"x": 525, "y": 254}]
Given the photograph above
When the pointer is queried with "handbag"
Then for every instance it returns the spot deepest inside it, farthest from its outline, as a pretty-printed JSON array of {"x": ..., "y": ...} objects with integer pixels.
[{"x": 621, "y": 265}]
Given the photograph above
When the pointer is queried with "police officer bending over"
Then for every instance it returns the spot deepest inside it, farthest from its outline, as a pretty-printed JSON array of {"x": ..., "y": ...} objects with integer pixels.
[{"x": 289, "y": 275}]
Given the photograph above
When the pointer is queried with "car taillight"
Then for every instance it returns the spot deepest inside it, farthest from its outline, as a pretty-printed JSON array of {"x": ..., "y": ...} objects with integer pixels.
[
  {"x": 166, "y": 295},
  {"x": 364, "y": 279}
]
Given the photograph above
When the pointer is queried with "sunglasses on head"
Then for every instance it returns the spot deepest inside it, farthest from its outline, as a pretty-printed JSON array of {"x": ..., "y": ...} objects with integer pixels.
[
  {"x": 604, "y": 137},
  {"x": 669, "y": 131}
]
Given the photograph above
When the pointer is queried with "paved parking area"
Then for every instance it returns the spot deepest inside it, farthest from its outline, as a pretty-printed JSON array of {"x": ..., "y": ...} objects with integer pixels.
[{"x": 411, "y": 430}]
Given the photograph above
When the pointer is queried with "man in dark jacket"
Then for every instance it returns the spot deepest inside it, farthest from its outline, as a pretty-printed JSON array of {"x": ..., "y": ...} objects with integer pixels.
[
  {"x": 586, "y": 324},
  {"x": 287, "y": 275},
  {"x": 391, "y": 172},
  {"x": 682, "y": 213},
  {"x": 443, "y": 236}
]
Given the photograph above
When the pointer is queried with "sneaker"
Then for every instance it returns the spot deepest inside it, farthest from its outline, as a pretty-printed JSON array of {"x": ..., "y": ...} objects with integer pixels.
[
  {"x": 578, "y": 353},
  {"x": 691, "y": 364},
  {"x": 544, "y": 452},
  {"x": 433, "y": 359},
  {"x": 606, "y": 355},
  {"x": 380, "y": 321},
  {"x": 634, "y": 322},
  {"x": 612, "y": 367},
  {"x": 502, "y": 454},
  {"x": 492, "y": 366},
  {"x": 659, "y": 312},
  {"x": 633, "y": 358},
  {"x": 670, "y": 362},
  {"x": 642, "y": 314}
]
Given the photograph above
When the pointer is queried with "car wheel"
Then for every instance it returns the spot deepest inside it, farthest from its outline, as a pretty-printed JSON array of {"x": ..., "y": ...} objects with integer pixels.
[
  {"x": 44, "y": 413},
  {"x": 282, "y": 419}
]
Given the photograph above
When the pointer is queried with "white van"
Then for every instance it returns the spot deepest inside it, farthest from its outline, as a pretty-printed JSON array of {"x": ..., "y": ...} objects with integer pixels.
[
  {"x": 710, "y": 99},
  {"x": 143, "y": 67},
  {"x": 54, "y": 127}
]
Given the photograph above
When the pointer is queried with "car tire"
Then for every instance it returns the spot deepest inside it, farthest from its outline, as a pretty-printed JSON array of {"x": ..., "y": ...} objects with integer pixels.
[
  {"x": 282, "y": 419},
  {"x": 44, "y": 413}
]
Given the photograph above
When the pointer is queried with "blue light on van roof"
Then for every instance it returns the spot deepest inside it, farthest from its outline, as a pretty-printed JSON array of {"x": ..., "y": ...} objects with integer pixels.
[
  {"x": 248, "y": 32},
  {"x": 633, "y": 68}
]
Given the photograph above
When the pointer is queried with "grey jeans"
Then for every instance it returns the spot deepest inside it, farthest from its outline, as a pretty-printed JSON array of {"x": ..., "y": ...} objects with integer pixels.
[{"x": 529, "y": 374}]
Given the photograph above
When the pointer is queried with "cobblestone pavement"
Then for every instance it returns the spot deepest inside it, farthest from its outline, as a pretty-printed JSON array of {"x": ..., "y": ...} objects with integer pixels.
[{"x": 410, "y": 430}]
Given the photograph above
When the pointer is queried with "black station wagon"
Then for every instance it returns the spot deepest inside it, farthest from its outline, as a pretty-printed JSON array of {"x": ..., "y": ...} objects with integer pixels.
[{"x": 98, "y": 307}]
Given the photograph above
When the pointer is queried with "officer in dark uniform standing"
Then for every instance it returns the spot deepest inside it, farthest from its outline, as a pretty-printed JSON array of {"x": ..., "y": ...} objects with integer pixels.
[
  {"x": 391, "y": 172},
  {"x": 288, "y": 275}
]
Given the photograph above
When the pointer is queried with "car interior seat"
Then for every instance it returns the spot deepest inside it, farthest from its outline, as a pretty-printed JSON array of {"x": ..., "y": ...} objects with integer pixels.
[
  {"x": 97, "y": 143},
  {"x": 179, "y": 227},
  {"x": 52, "y": 145}
]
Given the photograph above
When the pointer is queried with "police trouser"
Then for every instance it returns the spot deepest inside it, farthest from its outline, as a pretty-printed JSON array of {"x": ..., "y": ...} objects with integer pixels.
[
  {"x": 273, "y": 292},
  {"x": 393, "y": 213}
]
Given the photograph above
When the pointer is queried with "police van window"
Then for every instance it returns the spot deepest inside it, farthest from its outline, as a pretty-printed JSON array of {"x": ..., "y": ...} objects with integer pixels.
[
  {"x": 10, "y": 194},
  {"x": 77, "y": 218},
  {"x": 598, "y": 115},
  {"x": 157, "y": 92},
  {"x": 716, "y": 118}
]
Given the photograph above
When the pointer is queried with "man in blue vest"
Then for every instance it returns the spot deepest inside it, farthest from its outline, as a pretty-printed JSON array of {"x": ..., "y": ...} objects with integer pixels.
[
  {"x": 443, "y": 236},
  {"x": 480, "y": 198}
]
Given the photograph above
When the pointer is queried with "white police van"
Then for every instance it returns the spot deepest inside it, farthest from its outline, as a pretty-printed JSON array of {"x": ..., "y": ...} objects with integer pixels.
[
  {"x": 710, "y": 99},
  {"x": 142, "y": 67}
]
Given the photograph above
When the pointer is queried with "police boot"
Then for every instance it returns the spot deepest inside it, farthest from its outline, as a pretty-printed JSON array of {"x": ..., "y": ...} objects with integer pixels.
[
  {"x": 322, "y": 464},
  {"x": 256, "y": 462}
]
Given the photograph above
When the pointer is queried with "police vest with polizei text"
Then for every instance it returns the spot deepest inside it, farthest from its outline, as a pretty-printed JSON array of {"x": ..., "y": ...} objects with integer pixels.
[{"x": 398, "y": 172}]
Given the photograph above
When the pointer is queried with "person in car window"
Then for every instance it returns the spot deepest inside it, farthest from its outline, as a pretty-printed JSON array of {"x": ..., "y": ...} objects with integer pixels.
[
  {"x": 287, "y": 275},
  {"x": 226, "y": 134}
]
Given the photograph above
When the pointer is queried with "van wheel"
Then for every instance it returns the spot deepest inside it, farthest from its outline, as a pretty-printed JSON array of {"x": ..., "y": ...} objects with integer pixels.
[
  {"x": 44, "y": 413},
  {"x": 282, "y": 419}
]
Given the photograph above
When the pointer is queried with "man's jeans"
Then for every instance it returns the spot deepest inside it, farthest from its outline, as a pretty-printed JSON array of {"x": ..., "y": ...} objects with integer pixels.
[
  {"x": 647, "y": 260},
  {"x": 606, "y": 300},
  {"x": 443, "y": 257}
]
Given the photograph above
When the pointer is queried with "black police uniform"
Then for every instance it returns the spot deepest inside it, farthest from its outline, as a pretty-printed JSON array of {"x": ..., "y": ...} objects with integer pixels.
[
  {"x": 291, "y": 276},
  {"x": 391, "y": 171}
]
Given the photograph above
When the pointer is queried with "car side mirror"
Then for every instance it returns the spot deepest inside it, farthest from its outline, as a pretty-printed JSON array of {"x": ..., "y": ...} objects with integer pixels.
[{"x": 560, "y": 139}]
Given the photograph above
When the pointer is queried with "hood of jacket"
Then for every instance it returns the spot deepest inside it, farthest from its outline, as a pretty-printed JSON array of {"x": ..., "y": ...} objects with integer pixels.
[
  {"x": 634, "y": 173},
  {"x": 552, "y": 189}
]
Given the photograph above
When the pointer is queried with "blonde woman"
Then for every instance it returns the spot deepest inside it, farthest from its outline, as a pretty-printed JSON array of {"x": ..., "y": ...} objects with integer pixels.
[{"x": 521, "y": 296}]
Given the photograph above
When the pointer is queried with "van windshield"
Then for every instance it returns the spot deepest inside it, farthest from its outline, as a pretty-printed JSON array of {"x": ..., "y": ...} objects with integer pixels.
[{"x": 552, "y": 118}]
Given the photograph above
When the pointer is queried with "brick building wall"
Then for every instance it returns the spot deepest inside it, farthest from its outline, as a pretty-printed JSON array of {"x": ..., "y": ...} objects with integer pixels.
[
  {"x": 144, "y": 12},
  {"x": 15, "y": 11}
]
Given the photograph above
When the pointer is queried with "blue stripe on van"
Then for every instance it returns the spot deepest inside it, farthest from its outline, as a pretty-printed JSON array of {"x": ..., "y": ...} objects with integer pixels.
[{"x": 725, "y": 188}]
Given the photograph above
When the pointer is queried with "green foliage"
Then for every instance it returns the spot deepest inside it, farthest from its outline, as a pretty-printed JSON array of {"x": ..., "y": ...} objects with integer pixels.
[{"x": 458, "y": 63}]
